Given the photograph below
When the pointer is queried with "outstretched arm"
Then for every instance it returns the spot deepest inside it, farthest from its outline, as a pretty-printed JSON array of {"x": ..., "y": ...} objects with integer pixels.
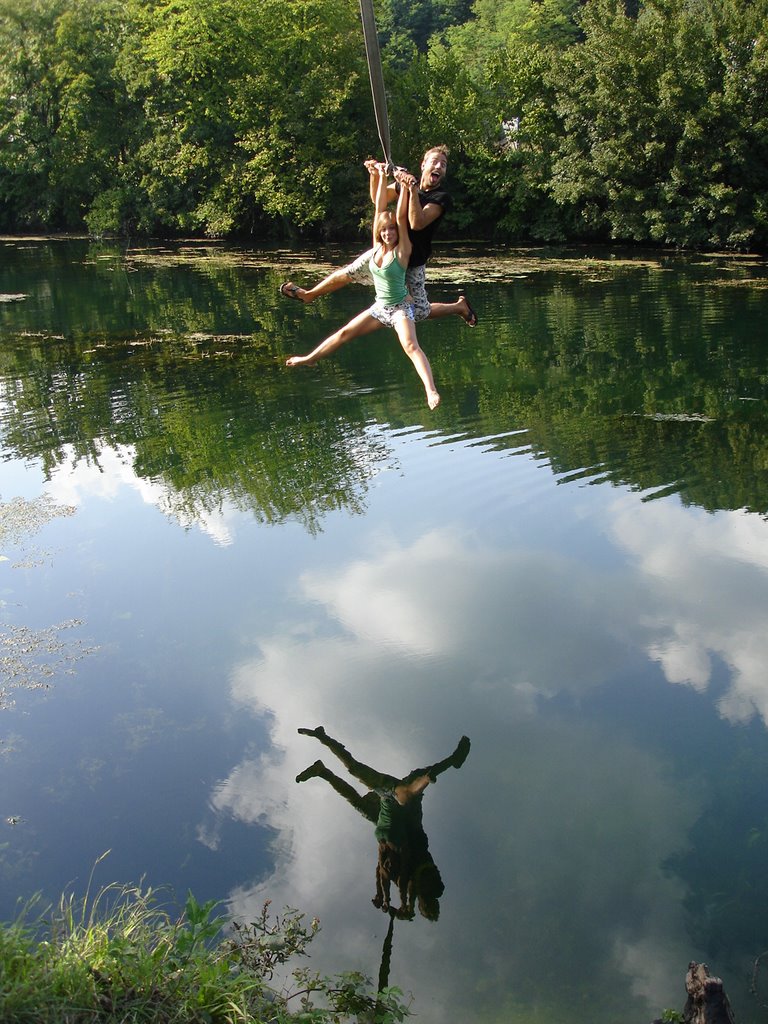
[{"x": 380, "y": 199}]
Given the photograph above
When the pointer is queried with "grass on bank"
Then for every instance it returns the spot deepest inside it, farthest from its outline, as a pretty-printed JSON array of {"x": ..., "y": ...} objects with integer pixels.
[{"x": 120, "y": 957}]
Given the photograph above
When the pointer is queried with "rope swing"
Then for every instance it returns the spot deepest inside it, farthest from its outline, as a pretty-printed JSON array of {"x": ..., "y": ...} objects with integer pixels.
[{"x": 376, "y": 76}]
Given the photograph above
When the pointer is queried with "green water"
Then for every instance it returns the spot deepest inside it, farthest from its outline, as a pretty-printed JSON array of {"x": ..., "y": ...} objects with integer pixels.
[{"x": 567, "y": 562}]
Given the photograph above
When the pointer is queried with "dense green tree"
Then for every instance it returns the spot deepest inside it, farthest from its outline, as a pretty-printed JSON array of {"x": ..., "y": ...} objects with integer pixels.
[
  {"x": 199, "y": 117},
  {"x": 65, "y": 117},
  {"x": 491, "y": 98},
  {"x": 28, "y": 112},
  {"x": 405, "y": 28},
  {"x": 225, "y": 117},
  {"x": 665, "y": 130},
  {"x": 501, "y": 125},
  {"x": 252, "y": 110},
  {"x": 499, "y": 25}
]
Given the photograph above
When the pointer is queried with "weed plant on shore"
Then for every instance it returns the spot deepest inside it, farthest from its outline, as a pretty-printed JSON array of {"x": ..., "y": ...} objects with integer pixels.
[{"x": 121, "y": 957}]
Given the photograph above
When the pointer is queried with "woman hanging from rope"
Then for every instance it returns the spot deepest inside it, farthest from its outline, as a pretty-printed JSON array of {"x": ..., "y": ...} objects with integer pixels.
[
  {"x": 424, "y": 218},
  {"x": 393, "y": 306}
]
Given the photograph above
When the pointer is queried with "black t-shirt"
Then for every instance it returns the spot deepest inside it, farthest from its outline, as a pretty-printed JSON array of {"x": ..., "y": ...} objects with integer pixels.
[{"x": 422, "y": 240}]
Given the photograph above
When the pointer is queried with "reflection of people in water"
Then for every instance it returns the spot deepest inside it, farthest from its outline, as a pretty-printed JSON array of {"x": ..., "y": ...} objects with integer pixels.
[{"x": 394, "y": 807}]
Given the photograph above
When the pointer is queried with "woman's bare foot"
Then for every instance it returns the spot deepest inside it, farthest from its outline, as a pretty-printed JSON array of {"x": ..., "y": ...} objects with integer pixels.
[
  {"x": 298, "y": 361},
  {"x": 433, "y": 399},
  {"x": 313, "y": 772}
]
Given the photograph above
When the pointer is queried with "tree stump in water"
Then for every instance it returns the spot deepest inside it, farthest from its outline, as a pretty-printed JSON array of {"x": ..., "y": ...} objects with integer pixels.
[{"x": 707, "y": 1002}]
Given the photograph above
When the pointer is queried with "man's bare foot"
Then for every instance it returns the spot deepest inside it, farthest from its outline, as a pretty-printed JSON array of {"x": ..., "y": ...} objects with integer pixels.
[
  {"x": 299, "y": 361},
  {"x": 467, "y": 314},
  {"x": 433, "y": 399},
  {"x": 292, "y": 291},
  {"x": 317, "y": 733}
]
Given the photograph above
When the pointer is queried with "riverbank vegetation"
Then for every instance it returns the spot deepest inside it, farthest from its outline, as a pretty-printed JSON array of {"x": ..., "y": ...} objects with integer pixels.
[
  {"x": 122, "y": 957},
  {"x": 636, "y": 120}
]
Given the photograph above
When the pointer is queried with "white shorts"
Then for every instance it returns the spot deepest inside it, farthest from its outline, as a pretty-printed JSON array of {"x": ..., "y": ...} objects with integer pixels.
[{"x": 389, "y": 315}]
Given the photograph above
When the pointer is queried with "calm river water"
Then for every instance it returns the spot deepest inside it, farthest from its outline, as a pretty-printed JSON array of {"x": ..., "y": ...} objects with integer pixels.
[{"x": 203, "y": 551}]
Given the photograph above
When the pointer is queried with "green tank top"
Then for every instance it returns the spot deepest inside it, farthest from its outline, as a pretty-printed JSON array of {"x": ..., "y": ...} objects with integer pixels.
[
  {"x": 389, "y": 281},
  {"x": 391, "y": 824}
]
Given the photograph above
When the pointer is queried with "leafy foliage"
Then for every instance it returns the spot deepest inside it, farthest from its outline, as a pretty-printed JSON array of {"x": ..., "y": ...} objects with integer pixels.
[
  {"x": 656, "y": 145},
  {"x": 64, "y": 117},
  {"x": 607, "y": 119},
  {"x": 121, "y": 956},
  {"x": 406, "y": 28}
]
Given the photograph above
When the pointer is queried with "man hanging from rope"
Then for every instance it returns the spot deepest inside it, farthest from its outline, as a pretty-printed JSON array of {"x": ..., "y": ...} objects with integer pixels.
[{"x": 426, "y": 209}]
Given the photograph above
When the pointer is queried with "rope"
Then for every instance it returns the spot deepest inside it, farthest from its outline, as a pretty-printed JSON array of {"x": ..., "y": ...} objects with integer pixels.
[{"x": 377, "y": 78}]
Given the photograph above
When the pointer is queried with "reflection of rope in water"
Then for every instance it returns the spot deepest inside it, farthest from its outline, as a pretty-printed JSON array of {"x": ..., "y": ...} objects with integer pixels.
[{"x": 386, "y": 957}]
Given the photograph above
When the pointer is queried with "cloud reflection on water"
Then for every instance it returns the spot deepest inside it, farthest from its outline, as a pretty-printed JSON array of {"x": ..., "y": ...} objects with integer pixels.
[
  {"x": 706, "y": 575},
  {"x": 558, "y": 817},
  {"x": 555, "y": 818},
  {"x": 74, "y": 480}
]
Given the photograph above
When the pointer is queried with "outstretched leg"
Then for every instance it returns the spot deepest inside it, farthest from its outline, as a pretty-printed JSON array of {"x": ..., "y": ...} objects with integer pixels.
[
  {"x": 368, "y": 776},
  {"x": 356, "y": 272},
  {"x": 460, "y": 307},
  {"x": 406, "y": 333},
  {"x": 426, "y": 310},
  {"x": 331, "y": 283},
  {"x": 362, "y": 324},
  {"x": 367, "y": 805},
  {"x": 454, "y": 760}
]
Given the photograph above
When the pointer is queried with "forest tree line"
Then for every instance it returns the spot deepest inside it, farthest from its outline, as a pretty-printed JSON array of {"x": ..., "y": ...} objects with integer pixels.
[{"x": 640, "y": 122}]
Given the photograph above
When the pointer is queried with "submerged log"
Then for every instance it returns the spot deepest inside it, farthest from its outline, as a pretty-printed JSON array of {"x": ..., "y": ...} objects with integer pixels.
[{"x": 707, "y": 1002}]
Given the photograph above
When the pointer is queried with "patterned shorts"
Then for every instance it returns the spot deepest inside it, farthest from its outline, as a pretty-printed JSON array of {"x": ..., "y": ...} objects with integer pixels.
[
  {"x": 415, "y": 279},
  {"x": 389, "y": 315},
  {"x": 358, "y": 272}
]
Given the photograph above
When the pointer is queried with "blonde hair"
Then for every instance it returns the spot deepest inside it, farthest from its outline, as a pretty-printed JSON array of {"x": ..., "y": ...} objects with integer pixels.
[{"x": 383, "y": 219}]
